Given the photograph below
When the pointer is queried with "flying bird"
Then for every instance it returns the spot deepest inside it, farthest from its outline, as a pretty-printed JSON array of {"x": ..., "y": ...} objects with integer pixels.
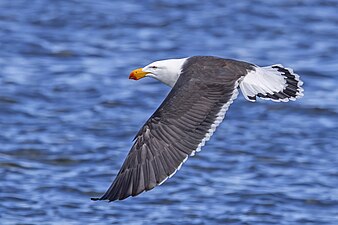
[{"x": 203, "y": 88}]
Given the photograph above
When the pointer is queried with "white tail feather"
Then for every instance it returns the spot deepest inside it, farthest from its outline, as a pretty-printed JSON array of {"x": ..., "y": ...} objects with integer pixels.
[{"x": 275, "y": 83}]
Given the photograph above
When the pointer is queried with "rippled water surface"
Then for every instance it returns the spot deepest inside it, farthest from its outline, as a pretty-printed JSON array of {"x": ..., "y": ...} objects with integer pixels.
[{"x": 68, "y": 113}]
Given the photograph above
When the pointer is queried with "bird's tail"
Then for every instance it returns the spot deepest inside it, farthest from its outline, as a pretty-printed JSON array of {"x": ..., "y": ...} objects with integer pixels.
[{"x": 275, "y": 83}]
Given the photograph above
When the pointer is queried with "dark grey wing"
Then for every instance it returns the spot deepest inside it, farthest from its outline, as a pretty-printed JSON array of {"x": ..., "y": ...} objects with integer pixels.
[{"x": 179, "y": 127}]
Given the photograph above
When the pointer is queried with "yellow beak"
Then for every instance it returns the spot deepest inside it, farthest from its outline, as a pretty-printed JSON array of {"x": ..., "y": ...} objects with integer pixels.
[{"x": 137, "y": 74}]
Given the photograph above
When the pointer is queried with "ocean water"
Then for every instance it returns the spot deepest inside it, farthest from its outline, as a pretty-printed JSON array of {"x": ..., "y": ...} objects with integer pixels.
[{"x": 68, "y": 112}]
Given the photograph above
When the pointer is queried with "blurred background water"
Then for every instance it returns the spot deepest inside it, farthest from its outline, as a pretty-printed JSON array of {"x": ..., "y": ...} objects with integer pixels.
[{"x": 68, "y": 113}]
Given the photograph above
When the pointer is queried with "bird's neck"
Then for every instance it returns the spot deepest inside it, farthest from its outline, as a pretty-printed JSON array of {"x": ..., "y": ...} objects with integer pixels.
[{"x": 171, "y": 75}]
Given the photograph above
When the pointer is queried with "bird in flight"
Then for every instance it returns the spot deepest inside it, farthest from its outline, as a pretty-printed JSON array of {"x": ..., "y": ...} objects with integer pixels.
[{"x": 203, "y": 88}]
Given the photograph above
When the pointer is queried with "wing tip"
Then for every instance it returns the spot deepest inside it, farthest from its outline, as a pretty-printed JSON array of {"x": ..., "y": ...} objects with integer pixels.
[
  {"x": 109, "y": 200},
  {"x": 96, "y": 199}
]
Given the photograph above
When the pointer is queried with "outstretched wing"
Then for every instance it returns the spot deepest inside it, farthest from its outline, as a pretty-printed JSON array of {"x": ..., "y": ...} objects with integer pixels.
[{"x": 180, "y": 126}]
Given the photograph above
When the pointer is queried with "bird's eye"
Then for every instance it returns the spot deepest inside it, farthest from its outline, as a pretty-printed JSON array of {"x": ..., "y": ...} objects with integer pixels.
[{"x": 153, "y": 67}]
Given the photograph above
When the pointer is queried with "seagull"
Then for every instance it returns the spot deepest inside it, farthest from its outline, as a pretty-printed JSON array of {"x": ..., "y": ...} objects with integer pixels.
[{"x": 202, "y": 89}]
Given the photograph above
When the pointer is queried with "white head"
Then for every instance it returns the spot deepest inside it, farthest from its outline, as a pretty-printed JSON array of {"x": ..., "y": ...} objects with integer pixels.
[{"x": 166, "y": 71}]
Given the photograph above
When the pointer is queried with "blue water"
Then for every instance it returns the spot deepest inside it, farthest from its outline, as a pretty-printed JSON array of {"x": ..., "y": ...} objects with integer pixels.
[{"x": 68, "y": 113}]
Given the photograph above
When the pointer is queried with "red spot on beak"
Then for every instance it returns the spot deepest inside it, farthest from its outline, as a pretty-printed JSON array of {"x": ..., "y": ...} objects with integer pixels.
[
  {"x": 132, "y": 76},
  {"x": 137, "y": 74}
]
